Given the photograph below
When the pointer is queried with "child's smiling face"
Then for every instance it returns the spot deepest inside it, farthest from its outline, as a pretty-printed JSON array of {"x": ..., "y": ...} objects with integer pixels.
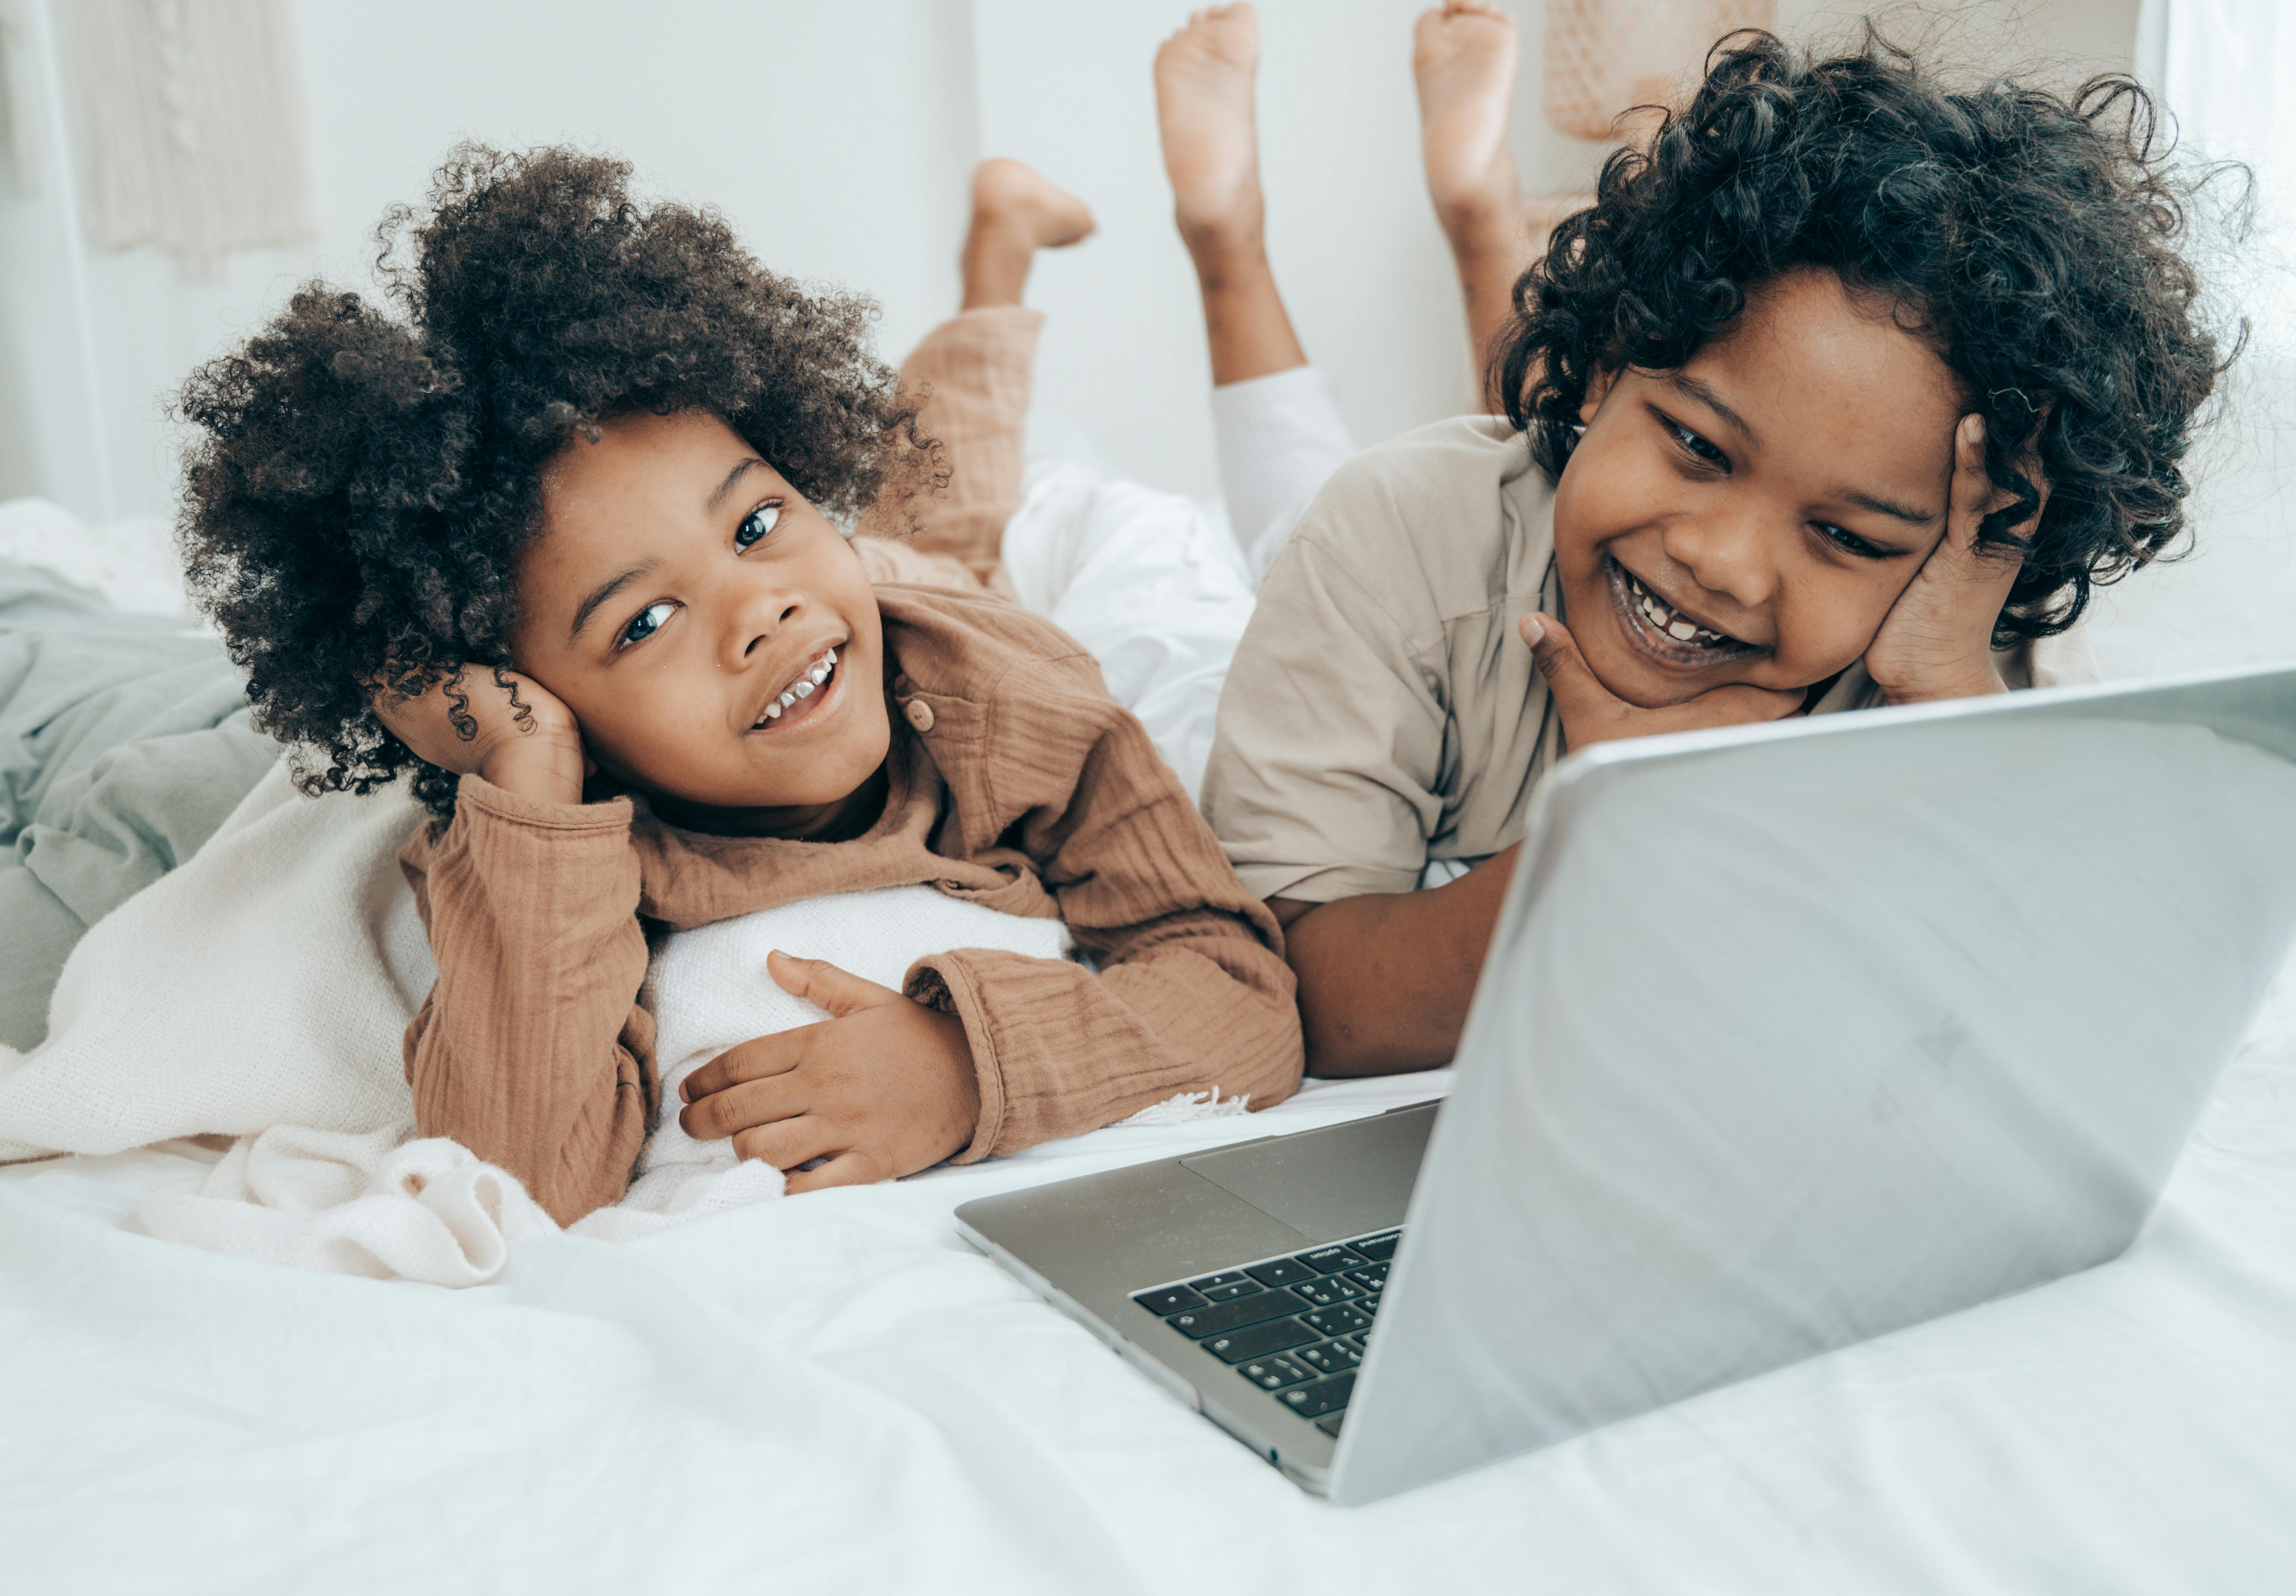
[
  {"x": 684, "y": 601},
  {"x": 1752, "y": 516}
]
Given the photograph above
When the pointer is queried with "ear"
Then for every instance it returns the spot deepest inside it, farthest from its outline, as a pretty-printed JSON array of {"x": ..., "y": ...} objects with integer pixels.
[{"x": 1598, "y": 388}]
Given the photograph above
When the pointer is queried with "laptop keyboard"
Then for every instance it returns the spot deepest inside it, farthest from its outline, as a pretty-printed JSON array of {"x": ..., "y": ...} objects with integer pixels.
[{"x": 1296, "y": 1326}]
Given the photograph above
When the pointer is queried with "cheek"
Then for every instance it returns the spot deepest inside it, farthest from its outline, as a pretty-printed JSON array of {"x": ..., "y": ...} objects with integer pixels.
[
  {"x": 1829, "y": 620},
  {"x": 1606, "y": 489}
]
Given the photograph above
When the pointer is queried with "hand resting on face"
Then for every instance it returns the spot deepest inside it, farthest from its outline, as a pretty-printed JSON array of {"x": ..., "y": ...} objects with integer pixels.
[
  {"x": 494, "y": 724},
  {"x": 1935, "y": 641}
]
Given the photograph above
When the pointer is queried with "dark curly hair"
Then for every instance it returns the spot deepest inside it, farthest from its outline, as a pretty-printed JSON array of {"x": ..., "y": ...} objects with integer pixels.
[
  {"x": 2031, "y": 239},
  {"x": 359, "y": 487}
]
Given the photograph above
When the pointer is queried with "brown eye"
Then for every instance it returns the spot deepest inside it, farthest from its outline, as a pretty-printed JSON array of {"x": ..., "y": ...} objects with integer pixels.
[
  {"x": 1849, "y": 542},
  {"x": 647, "y": 621},
  {"x": 757, "y": 524}
]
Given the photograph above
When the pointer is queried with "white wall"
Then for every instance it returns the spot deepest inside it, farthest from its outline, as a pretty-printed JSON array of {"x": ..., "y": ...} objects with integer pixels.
[{"x": 837, "y": 137}]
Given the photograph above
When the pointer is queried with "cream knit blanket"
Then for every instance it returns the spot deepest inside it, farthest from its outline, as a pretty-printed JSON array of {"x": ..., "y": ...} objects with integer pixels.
[{"x": 260, "y": 992}]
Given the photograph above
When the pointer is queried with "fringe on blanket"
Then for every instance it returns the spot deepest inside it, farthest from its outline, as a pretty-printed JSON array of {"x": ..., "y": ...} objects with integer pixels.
[{"x": 1189, "y": 1107}]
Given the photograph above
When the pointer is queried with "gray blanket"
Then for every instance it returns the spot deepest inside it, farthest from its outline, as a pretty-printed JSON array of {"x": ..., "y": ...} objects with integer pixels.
[{"x": 123, "y": 742}]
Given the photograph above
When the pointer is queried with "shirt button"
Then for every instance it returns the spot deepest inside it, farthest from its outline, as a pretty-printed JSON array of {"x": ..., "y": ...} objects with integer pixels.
[{"x": 920, "y": 714}]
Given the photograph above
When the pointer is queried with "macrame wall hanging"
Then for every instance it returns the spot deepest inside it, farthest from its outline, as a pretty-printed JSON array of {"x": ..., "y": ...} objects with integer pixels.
[
  {"x": 1604, "y": 57},
  {"x": 187, "y": 120}
]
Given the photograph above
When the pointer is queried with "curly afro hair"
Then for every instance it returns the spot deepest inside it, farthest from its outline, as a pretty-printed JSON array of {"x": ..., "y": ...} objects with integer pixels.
[
  {"x": 2029, "y": 238},
  {"x": 360, "y": 486}
]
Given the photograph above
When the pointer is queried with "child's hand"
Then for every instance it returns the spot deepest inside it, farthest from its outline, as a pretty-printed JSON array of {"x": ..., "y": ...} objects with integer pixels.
[
  {"x": 1592, "y": 713},
  {"x": 882, "y": 1088},
  {"x": 469, "y": 723},
  {"x": 1937, "y": 641}
]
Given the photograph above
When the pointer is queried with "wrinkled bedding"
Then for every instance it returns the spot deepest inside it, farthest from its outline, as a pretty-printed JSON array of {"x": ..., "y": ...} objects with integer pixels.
[
  {"x": 833, "y": 1392},
  {"x": 123, "y": 742}
]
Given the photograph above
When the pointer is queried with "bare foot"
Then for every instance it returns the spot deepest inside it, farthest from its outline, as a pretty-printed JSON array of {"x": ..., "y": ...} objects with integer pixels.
[
  {"x": 1015, "y": 213},
  {"x": 1463, "y": 57},
  {"x": 1204, "y": 114}
]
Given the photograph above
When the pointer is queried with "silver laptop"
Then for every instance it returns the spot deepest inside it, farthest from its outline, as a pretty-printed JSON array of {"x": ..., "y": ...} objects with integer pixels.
[{"x": 1788, "y": 1036}]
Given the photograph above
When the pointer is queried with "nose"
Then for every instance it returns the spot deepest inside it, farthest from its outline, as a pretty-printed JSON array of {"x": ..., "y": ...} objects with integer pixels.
[
  {"x": 1726, "y": 551},
  {"x": 755, "y": 614}
]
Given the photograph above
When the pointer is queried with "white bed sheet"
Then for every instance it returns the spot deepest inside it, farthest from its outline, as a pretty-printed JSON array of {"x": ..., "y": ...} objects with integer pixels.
[{"x": 834, "y": 1393}]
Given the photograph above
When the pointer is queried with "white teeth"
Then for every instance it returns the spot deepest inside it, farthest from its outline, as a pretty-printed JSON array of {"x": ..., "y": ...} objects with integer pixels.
[
  {"x": 816, "y": 676},
  {"x": 1663, "y": 616}
]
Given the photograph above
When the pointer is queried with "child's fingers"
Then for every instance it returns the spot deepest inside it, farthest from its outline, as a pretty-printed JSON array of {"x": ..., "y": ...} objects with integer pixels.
[
  {"x": 1576, "y": 689},
  {"x": 744, "y": 1105},
  {"x": 818, "y": 980},
  {"x": 787, "y": 1143},
  {"x": 1975, "y": 496},
  {"x": 754, "y": 1059},
  {"x": 846, "y": 1169}
]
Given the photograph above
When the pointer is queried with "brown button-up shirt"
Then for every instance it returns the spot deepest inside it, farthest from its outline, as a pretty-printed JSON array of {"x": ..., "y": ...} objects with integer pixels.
[{"x": 1015, "y": 782}]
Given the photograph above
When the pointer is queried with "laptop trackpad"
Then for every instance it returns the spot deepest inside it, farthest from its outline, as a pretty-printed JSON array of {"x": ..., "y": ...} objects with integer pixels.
[{"x": 1329, "y": 1183}]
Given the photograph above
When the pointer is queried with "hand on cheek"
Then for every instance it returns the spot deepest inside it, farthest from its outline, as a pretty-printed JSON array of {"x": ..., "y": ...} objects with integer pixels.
[
  {"x": 1592, "y": 713},
  {"x": 1937, "y": 641},
  {"x": 882, "y": 1088},
  {"x": 492, "y": 723}
]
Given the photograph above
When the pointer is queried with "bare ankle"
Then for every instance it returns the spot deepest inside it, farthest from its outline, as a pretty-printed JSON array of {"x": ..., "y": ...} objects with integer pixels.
[
  {"x": 1224, "y": 252},
  {"x": 1015, "y": 213},
  {"x": 993, "y": 266}
]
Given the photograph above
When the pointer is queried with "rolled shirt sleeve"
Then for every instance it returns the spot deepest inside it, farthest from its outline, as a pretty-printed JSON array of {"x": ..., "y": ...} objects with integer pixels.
[{"x": 532, "y": 1050}]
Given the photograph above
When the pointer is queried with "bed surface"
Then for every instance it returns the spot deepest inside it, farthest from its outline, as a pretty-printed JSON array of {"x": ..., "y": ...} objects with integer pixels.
[{"x": 834, "y": 1393}]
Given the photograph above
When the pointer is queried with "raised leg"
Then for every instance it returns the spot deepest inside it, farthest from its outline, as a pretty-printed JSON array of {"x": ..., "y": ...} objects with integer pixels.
[
  {"x": 1464, "y": 58},
  {"x": 1204, "y": 113},
  {"x": 976, "y": 369},
  {"x": 1015, "y": 213}
]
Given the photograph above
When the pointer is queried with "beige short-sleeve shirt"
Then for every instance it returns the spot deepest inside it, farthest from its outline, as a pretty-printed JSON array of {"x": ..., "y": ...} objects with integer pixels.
[{"x": 1382, "y": 719}]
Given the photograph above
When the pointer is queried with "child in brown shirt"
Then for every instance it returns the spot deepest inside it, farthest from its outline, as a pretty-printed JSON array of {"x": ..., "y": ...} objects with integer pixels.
[{"x": 560, "y": 543}]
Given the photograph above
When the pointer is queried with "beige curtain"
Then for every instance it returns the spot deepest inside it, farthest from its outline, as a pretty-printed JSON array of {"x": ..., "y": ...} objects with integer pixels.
[
  {"x": 187, "y": 118},
  {"x": 1606, "y": 56}
]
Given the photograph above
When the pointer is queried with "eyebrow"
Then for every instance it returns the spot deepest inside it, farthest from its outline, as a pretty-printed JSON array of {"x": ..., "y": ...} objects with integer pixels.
[
  {"x": 1889, "y": 507},
  {"x": 732, "y": 477},
  {"x": 599, "y": 594},
  {"x": 1703, "y": 392}
]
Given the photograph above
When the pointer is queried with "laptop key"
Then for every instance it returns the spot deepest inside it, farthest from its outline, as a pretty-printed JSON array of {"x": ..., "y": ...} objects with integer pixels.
[
  {"x": 1325, "y": 1396},
  {"x": 1328, "y": 1260},
  {"x": 1327, "y": 1291},
  {"x": 1273, "y": 1374},
  {"x": 1330, "y": 1422},
  {"x": 1259, "y": 1340},
  {"x": 1223, "y": 1317},
  {"x": 1371, "y": 1277},
  {"x": 1282, "y": 1272},
  {"x": 1378, "y": 1248},
  {"x": 1342, "y": 1321},
  {"x": 1330, "y": 1358},
  {"x": 1242, "y": 1286},
  {"x": 1226, "y": 1278},
  {"x": 1171, "y": 1299}
]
